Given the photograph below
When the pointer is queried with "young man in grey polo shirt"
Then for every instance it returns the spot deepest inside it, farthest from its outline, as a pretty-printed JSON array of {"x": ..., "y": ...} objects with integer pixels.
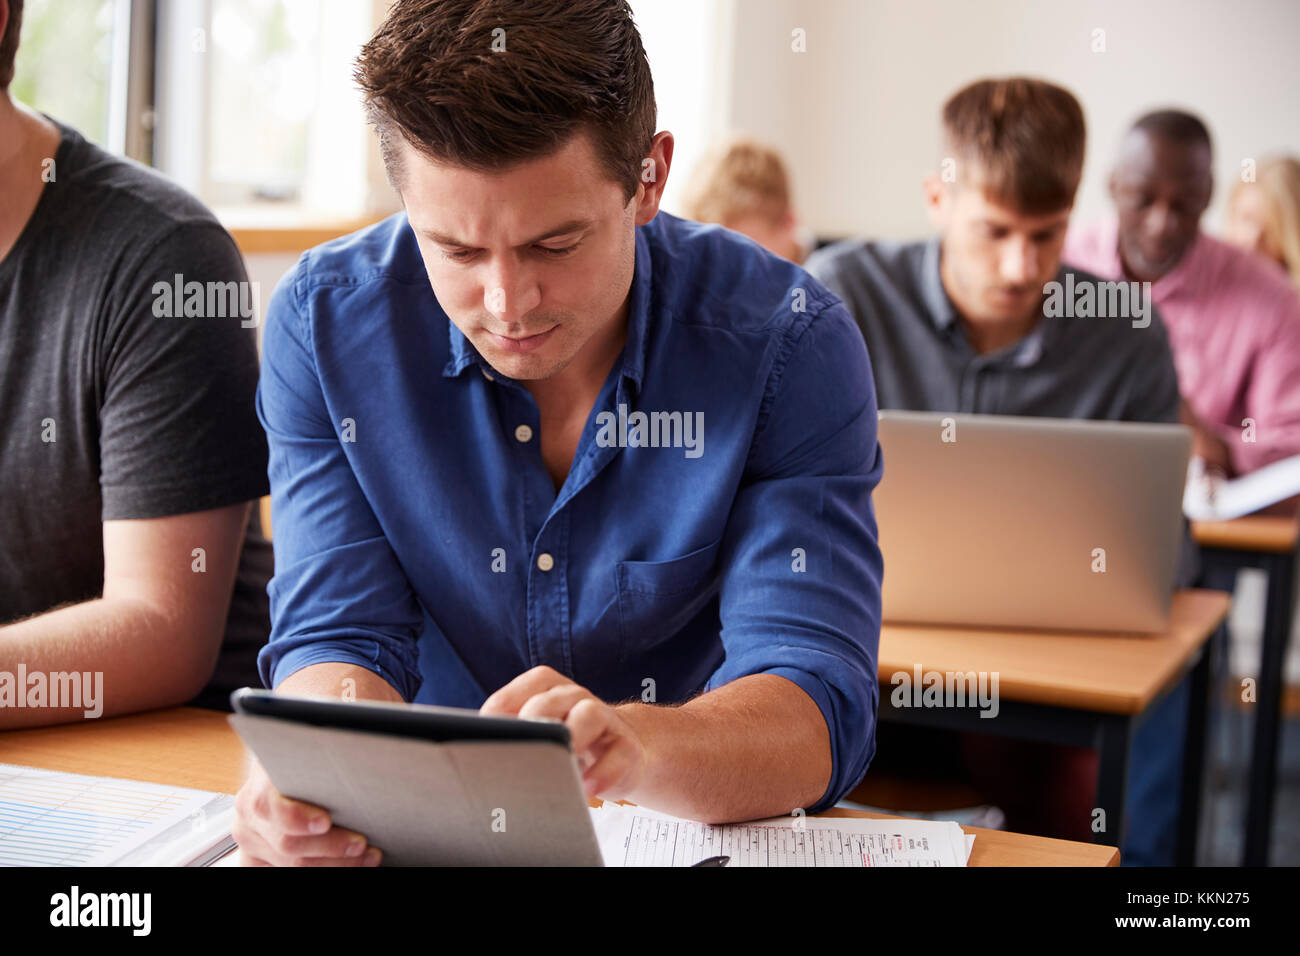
[{"x": 970, "y": 321}]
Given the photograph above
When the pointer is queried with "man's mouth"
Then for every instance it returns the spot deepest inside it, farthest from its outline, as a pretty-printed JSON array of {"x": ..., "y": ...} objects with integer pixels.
[{"x": 521, "y": 343}]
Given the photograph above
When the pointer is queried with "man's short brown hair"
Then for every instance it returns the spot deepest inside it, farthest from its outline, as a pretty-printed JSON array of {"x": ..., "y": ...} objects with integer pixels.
[
  {"x": 9, "y": 43},
  {"x": 486, "y": 84},
  {"x": 1021, "y": 140}
]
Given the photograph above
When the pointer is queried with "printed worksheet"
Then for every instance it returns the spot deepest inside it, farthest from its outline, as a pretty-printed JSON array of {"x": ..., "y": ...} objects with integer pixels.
[
  {"x": 634, "y": 836},
  {"x": 48, "y": 818}
]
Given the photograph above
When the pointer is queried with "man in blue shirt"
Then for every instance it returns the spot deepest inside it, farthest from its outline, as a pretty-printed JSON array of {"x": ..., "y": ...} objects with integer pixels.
[{"x": 538, "y": 447}]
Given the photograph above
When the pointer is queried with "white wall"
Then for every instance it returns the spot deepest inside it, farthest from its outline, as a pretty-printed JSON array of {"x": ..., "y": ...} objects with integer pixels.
[
  {"x": 688, "y": 45},
  {"x": 857, "y": 114}
]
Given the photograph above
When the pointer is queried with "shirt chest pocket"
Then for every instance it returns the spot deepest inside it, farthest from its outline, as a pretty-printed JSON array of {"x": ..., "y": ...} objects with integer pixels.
[{"x": 656, "y": 599}]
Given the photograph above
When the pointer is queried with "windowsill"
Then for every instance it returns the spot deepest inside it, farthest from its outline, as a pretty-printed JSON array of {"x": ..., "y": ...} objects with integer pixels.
[{"x": 285, "y": 228}]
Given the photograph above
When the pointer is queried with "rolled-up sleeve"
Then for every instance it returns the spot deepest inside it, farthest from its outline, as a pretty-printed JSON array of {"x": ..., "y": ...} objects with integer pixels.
[
  {"x": 339, "y": 593},
  {"x": 800, "y": 593}
]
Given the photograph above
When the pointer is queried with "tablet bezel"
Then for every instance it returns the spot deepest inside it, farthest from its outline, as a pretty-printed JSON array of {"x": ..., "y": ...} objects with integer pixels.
[{"x": 420, "y": 721}]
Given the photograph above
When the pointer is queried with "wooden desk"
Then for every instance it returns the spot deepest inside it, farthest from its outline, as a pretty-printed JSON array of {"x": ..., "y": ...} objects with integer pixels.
[
  {"x": 1267, "y": 542},
  {"x": 1276, "y": 534},
  {"x": 196, "y": 748},
  {"x": 1090, "y": 690}
]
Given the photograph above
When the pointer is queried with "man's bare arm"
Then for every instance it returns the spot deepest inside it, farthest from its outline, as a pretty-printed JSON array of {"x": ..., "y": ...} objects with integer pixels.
[
  {"x": 330, "y": 680},
  {"x": 155, "y": 633},
  {"x": 757, "y": 747}
]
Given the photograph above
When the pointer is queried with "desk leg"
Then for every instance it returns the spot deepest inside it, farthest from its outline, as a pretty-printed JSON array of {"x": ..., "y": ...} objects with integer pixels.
[
  {"x": 1189, "y": 807},
  {"x": 1278, "y": 610},
  {"x": 1114, "y": 733}
]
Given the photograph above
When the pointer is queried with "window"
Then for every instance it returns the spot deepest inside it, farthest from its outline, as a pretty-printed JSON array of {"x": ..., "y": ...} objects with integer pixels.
[
  {"x": 258, "y": 113},
  {"x": 263, "y": 59},
  {"x": 64, "y": 62}
]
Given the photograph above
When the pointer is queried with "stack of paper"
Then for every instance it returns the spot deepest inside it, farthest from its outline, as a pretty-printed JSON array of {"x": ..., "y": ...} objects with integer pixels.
[
  {"x": 635, "y": 836},
  {"x": 1209, "y": 497},
  {"x": 65, "y": 819}
]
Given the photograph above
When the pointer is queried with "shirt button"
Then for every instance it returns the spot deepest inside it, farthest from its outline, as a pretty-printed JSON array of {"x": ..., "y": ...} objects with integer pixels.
[
  {"x": 523, "y": 433},
  {"x": 545, "y": 561}
]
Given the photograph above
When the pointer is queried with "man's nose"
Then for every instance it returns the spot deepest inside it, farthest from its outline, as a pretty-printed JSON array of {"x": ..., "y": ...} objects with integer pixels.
[
  {"x": 1160, "y": 220},
  {"x": 510, "y": 293},
  {"x": 1020, "y": 262}
]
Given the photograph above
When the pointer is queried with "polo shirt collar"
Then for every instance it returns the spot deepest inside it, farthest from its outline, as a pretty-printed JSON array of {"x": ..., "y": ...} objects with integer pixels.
[
  {"x": 463, "y": 352},
  {"x": 937, "y": 304}
]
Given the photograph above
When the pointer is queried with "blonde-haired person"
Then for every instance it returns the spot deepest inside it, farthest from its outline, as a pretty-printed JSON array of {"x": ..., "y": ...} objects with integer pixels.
[
  {"x": 744, "y": 185},
  {"x": 1264, "y": 215}
]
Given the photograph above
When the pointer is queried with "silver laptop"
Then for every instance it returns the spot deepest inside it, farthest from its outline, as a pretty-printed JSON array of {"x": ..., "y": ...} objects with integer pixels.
[{"x": 992, "y": 520}]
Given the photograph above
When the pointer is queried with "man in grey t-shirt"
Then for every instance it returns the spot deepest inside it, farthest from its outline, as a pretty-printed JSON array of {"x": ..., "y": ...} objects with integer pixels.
[
  {"x": 130, "y": 450},
  {"x": 983, "y": 319}
]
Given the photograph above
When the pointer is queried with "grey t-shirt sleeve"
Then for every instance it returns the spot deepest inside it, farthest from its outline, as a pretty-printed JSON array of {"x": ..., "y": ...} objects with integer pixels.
[{"x": 178, "y": 426}]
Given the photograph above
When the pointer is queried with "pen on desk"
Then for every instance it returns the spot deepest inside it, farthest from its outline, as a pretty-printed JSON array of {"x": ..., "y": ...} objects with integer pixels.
[{"x": 713, "y": 861}]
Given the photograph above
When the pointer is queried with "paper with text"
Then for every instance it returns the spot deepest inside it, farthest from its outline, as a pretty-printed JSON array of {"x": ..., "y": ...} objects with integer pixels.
[{"x": 635, "y": 836}]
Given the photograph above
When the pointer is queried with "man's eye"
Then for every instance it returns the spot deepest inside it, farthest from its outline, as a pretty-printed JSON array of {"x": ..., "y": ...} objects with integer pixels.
[
  {"x": 458, "y": 255},
  {"x": 560, "y": 253}
]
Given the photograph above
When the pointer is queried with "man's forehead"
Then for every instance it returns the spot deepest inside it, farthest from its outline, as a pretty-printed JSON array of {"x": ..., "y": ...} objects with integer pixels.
[
  {"x": 1147, "y": 155},
  {"x": 537, "y": 195},
  {"x": 573, "y": 165}
]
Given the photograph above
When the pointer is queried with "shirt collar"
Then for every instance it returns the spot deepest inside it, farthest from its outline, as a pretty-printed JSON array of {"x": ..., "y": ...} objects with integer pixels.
[
  {"x": 1030, "y": 349},
  {"x": 463, "y": 353},
  {"x": 937, "y": 304}
]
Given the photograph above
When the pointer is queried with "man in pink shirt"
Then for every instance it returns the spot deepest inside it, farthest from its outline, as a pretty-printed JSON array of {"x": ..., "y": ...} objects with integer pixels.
[{"x": 1233, "y": 319}]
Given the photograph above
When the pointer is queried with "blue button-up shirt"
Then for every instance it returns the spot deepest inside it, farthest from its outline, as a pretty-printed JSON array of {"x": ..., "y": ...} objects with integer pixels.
[{"x": 418, "y": 533}]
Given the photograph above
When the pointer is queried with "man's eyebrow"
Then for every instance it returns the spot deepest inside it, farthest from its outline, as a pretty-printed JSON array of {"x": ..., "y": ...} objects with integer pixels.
[{"x": 563, "y": 229}]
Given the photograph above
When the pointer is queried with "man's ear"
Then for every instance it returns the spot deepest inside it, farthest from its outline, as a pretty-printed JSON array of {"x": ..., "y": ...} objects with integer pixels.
[
  {"x": 936, "y": 200},
  {"x": 654, "y": 176}
]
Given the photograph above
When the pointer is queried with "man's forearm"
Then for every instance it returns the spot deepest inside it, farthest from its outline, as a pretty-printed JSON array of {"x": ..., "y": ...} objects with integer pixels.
[
  {"x": 345, "y": 681},
  {"x": 757, "y": 747},
  {"x": 127, "y": 656}
]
